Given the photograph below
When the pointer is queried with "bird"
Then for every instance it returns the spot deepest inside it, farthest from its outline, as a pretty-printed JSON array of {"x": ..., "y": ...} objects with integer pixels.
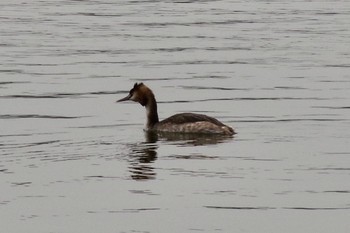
[{"x": 179, "y": 123}]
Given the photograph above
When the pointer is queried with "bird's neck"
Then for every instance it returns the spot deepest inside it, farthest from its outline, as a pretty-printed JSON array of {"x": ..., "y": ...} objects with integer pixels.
[{"x": 151, "y": 111}]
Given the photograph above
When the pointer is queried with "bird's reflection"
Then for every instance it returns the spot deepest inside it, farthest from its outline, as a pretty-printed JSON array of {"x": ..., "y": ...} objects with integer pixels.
[{"x": 143, "y": 155}]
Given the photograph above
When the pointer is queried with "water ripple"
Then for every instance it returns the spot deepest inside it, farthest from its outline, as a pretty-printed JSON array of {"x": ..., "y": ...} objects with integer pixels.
[
  {"x": 61, "y": 95},
  {"x": 24, "y": 145},
  {"x": 275, "y": 208},
  {"x": 187, "y": 24},
  {"x": 244, "y": 99},
  {"x": 240, "y": 208},
  {"x": 37, "y": 116}
]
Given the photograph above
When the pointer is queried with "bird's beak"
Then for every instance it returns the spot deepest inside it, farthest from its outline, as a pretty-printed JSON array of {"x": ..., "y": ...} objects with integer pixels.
[{"x": 125, "y": 98}]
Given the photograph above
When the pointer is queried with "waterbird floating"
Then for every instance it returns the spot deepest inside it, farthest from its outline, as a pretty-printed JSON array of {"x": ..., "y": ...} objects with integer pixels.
[{"x": 178, "y": 123}]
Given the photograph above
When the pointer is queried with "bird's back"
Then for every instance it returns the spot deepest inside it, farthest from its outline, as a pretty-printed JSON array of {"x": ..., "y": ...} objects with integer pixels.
[{"x": 193, "y": 123}]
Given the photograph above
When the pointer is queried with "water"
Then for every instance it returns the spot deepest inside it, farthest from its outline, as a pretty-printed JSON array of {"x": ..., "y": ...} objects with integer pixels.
[{"x": 73, "y": 160}]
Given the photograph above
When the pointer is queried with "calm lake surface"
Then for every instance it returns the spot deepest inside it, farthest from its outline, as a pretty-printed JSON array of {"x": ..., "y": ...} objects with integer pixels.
[{"x": 74, "y": 160}]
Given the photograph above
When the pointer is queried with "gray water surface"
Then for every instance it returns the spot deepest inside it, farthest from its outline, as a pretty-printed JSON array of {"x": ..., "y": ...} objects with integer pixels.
[{"x": 73, "y": 160}]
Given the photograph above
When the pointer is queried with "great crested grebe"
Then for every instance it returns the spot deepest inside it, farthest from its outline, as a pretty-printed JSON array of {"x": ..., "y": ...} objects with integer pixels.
[{"x": 178, "y": 123}]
